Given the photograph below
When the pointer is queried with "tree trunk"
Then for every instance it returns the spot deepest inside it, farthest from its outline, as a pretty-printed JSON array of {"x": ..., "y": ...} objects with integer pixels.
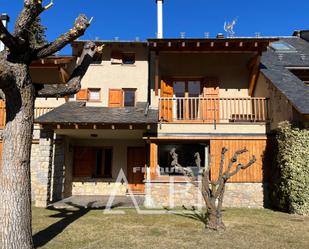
[
  {"x": 15, "y": 184},
  {"x": 215, "y": 220}
]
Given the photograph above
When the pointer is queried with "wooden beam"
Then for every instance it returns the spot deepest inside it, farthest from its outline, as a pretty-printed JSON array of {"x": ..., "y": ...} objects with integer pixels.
[
  {"x": 254, "y": 74},
  {"x": 157, "y": 74}
]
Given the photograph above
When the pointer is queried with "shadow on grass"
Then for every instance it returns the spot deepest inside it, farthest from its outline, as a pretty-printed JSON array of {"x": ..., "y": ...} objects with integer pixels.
[
  {"x": 192, "y": 214},
  {"x": 68, "y": 217}
]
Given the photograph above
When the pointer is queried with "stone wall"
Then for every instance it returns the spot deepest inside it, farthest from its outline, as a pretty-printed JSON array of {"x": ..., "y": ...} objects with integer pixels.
[
  {"x": 41, "y": 165},
  {"x": 97, "y": 187},
  {"x": 165, "y": 194},
  {"x": 47, "y": 168}
]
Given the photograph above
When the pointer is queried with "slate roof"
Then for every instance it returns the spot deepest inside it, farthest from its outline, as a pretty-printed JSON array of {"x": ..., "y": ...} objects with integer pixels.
[
  {"x": 79, "y": 113},
  {"x": 274, "y": 67}
]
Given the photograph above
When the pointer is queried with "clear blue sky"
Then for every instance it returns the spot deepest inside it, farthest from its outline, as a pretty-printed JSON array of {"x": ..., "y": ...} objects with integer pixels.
[{"x": 128, "y": 19}]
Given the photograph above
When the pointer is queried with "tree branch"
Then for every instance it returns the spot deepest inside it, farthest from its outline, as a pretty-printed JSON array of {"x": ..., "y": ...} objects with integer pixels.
[
  {"x": 32, "y": 9},
  {"x": 240, "y": 167},
  {"x": 73, "y": 85},
  {"x": 8, "y": 40},
  {"x": 80, "y": 26}
]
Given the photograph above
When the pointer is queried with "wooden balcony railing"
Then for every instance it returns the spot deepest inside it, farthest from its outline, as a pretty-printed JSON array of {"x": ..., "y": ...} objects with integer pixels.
[
  {"x": 213, "y": 110},
  {"x": 38, "y": 111}
]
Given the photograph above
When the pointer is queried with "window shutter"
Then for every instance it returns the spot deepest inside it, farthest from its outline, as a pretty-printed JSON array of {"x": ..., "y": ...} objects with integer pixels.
[
  {"x": 115, "y": 98},
  {"x": 84, "y": 162},
  {"x": 82, "y": 94}
]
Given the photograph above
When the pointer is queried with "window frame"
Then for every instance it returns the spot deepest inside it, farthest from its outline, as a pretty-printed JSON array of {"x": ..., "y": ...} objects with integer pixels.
[
  {"x": 94, "y": 89},
  {"x": 124, "y": 90}
]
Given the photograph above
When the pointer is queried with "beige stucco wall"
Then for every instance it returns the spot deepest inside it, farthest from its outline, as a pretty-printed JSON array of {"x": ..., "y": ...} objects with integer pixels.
[
  {"x": 110, "y": 76},
  {"x": 231, "y": 70},
  {"x": 280, "y": 109},
  {"x": 180, "y": 128}
]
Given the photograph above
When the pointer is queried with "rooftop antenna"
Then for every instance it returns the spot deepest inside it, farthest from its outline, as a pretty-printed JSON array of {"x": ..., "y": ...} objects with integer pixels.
[{"x": 229, "y": 27}]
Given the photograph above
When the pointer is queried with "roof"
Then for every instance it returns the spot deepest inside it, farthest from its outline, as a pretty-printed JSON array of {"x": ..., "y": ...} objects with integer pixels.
[
  {"x": 250, "y": 44},
  {"x": 275, "y": 66},
  {"x": 79, "y": 113}
]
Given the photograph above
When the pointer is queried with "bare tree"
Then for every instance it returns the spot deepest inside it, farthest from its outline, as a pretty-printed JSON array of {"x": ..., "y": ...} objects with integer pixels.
[
  {"x": 213, "y": 190},
  {"x": 20, "y": 93}
]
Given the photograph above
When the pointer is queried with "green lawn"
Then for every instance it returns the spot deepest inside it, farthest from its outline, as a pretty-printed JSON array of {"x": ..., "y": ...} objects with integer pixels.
[{"x": 246, "y": 228}]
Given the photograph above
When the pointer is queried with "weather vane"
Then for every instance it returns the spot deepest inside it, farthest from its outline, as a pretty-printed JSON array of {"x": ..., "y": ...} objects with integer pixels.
[{"x": 229, "y": 27}]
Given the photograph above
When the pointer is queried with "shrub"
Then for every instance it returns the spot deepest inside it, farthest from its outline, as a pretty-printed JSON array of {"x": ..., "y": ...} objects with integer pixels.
[{"x": 292, "y": 162}]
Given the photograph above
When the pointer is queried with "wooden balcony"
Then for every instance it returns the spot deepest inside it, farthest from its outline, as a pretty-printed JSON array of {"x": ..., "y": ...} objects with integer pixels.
[
  {"x": 213, "y": 110},
  {"x": 38, "y": 111}
]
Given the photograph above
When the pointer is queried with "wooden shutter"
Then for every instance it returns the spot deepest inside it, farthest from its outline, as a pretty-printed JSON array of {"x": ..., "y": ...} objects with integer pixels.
[
  {"x": 82, "y": 94},
  {"x": 115, "y": 98},
  {"x": 2, "y": 113},
  {"x": 210, "y": 107},
  {"x": 84, "y": 161},
  {"x": 166, "y": 107}
]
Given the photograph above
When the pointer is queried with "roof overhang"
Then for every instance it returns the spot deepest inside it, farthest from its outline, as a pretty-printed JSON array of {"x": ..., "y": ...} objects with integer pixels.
[
  {"x": 53, "y": 62},
  {"x": 212, "y": 45}
]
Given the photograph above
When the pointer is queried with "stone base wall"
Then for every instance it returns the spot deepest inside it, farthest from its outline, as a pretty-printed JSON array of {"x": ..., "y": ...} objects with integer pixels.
[
  {"x": 97, "y": 187},
  {"x": 158, "y": 195},
  {"x": 41, "y": 161}
]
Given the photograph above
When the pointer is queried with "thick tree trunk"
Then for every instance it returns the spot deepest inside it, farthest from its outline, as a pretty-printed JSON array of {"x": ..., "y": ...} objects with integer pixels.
[{"x": 15, "y": 184}]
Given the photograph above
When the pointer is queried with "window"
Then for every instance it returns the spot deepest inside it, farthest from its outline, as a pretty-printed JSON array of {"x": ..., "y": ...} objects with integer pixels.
[
  {"x": 103, "y": 163},
  {"x": 94, "y": 94},
  {"x": 128, "y": 58},
  {"x": 120, "y": 58},
  {"x": 188, "y": 155},
  {"x": 92, "y": 162},
  {"x": 129, "y": 97},
  {"x": 116, "y": 57},
  {"x": 282, "y": 47}
]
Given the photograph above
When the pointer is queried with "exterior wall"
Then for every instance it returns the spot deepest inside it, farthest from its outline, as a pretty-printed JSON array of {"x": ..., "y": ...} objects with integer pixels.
[
  {"x": 110, "y": 76},
  {"x": 99, "y": 186},
  {"x": 223, "y": 129},
  {"x": 255, "y": 173},
  {"x": 230, "y": 69},
  {"x": 41, "y": 164},
  {"x": 280, "y": 108},
  {"x": 248, "y": 195}
]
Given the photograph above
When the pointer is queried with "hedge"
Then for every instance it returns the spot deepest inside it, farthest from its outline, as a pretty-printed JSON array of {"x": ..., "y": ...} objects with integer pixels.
[{"x": 291, "y": 187}]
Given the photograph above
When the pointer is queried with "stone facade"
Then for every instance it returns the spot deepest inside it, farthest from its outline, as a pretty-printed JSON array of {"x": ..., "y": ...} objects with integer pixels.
[
  {"x": 47, "y": 169},
  {"x": 97, "y": 187},
  {"x": 41, "y": 162},
  {"x": 166, "y": 194}
]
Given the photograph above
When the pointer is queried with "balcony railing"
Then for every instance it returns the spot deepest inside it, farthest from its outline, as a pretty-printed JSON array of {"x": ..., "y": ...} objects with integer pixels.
[
  {"x": 213, "y": 110},
  {"x": 38, "y": 111}
]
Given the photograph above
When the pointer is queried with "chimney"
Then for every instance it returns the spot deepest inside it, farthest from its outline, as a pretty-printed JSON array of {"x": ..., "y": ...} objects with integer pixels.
[
  {"x": 4, "y": 18},
  {"x": 160, "y": 18}
]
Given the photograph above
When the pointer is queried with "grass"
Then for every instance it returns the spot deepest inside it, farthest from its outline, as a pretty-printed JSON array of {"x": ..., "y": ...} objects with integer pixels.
[{"x": 246, "y": 228}]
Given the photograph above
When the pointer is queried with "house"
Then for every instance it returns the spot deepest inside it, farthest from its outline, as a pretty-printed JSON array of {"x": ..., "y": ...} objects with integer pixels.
[{"x": 141, "y": 100}]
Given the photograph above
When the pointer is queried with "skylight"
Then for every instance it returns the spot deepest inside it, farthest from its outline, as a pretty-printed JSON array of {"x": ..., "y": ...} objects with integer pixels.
[{"x": 282, "y": 47}]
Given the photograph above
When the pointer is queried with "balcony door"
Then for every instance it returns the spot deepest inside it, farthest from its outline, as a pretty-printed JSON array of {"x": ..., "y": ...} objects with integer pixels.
[
  {"x": 186, "y": 93},
  {"x": 189, "y": 100}
]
